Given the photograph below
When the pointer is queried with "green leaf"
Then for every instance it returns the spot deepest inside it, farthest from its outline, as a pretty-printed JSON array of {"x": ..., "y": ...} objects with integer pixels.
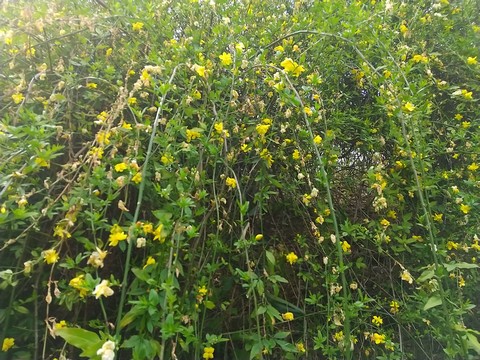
[
  {"x": 209, "y": 304},
  {"x": 435, "y": 300},
  {"x": 256, "y": 349},
  {"x": 139, "y": 273},
  {"x": 426, "y": 275},
  {"x": 270, "y": 257},
  {"x": 472, "y": 343},
  {"x": 261, "y": 310},
  {"x": 129, "y": 317},
  {"x": 281, "y": 334},
  {"x": 85, "y": 340},
  {"x": 459, "y": 265}
]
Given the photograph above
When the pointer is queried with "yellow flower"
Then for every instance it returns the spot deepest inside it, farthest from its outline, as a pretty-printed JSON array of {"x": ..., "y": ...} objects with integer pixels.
[
  {"x": 116, "y": 237},
  {"x": 473, "y": 167},
  {"x": 258, "y": 237},
  {"x": 137, "y": 26},
  {"x": 150, "y": 261},
  {"x": 8, "y": 39},
  {"x": 218, "y": 127},
  {"x": 61, "y": 324},
  {"x": 102, "y": 117},
  {"x": 378, "y": 339},
  {"x": 145, "y": 77},
  {"x": 406, "y": 276},
  {"x": 121, "y": 167},
  {"x": 108, "y": 52},
  {"x": 317, "y": 140},
  {"x": 7, "y": 343},
  {"x": 408, "y": 106},
  {"x": 346, "y": 246},
  {"x": 102, "y": 289},
  {"x": 458, "y": 116},
  {"x": 461, "y": 281},
  {"x": 467, "y": 94},
  {"x": 159, "y": 234},
  {"x": 465, "y": 125},
  {"x": 197, "y": 95},
  {"x": 200, "y": 70},
  {"x": 308, "y": 111},
  {"x": 18, "y": 98},
  {"x": 137, "y": 178},
  {"x": 147, "y": 228},
  {"x": 385, "y": 223},
  {"x": 377, "y": 320},
  {"x": 452, "y": 245},
  {"x": 192, "y": 135},
  {"x": 338, "y": 336},
  {"x": 465, "y": 208},
  {"x": 267, "y": 156},
  {"x": 300, "y": 347},
  {"x": 403, "y": 29},
  {"x": 50, "y": 256},
  {"x": 288, "y": 316},
  {"x": 291, "y": 258},
  {"x": 226, "y": 59},
  {"x": 231, "y": 182},
  {"x": 279, "y": 48},
  {"x": 420, "y": 58},
  {"x": 262, "y": 129},
  {"x": 296, "y": 155},
  {"x": 394, "y": 306},
  {"x": 202, "y": 290},
  {"x": 438, "y": 217},
  {"x": 167, "y": 159},
  {"x": 132, "y": 101},
  {"x": 78, "y": 283},
  {"x": 126, "y": 126},
  {"x": 472, "y": 60},
  {"x": 392, "y": 214},
  {"x": 208, "y": 352},
  {"x": 103, "y": 137},
  {"x": 92, "y": 85},
  {"x": 292, "y": 67}
]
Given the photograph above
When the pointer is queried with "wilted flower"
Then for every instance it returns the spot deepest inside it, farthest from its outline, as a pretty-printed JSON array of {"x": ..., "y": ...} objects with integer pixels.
[
  {"x": 102, "y": 289},
  {"x": 96, "y": 258}
]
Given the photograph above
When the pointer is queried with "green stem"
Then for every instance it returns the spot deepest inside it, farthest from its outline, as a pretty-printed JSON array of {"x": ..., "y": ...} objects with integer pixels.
[
  {"x": 341, "y": 263},
  {"x": 137, "y": 209}
]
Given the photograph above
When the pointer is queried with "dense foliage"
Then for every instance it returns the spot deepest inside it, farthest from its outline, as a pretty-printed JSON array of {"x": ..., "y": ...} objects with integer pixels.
[{"x": 239, "y": 179}]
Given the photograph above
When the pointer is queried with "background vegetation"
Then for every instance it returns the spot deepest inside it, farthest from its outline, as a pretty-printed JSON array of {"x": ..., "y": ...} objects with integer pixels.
[{"x": 239, "y": 179}]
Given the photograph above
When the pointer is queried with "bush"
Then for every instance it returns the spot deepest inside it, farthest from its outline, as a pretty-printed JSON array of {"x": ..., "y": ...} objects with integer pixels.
[{"x": 242, "y": 180}]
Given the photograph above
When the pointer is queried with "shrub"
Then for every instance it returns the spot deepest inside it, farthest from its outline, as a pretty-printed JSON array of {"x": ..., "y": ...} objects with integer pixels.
[{"x": 231, "y": 179}]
